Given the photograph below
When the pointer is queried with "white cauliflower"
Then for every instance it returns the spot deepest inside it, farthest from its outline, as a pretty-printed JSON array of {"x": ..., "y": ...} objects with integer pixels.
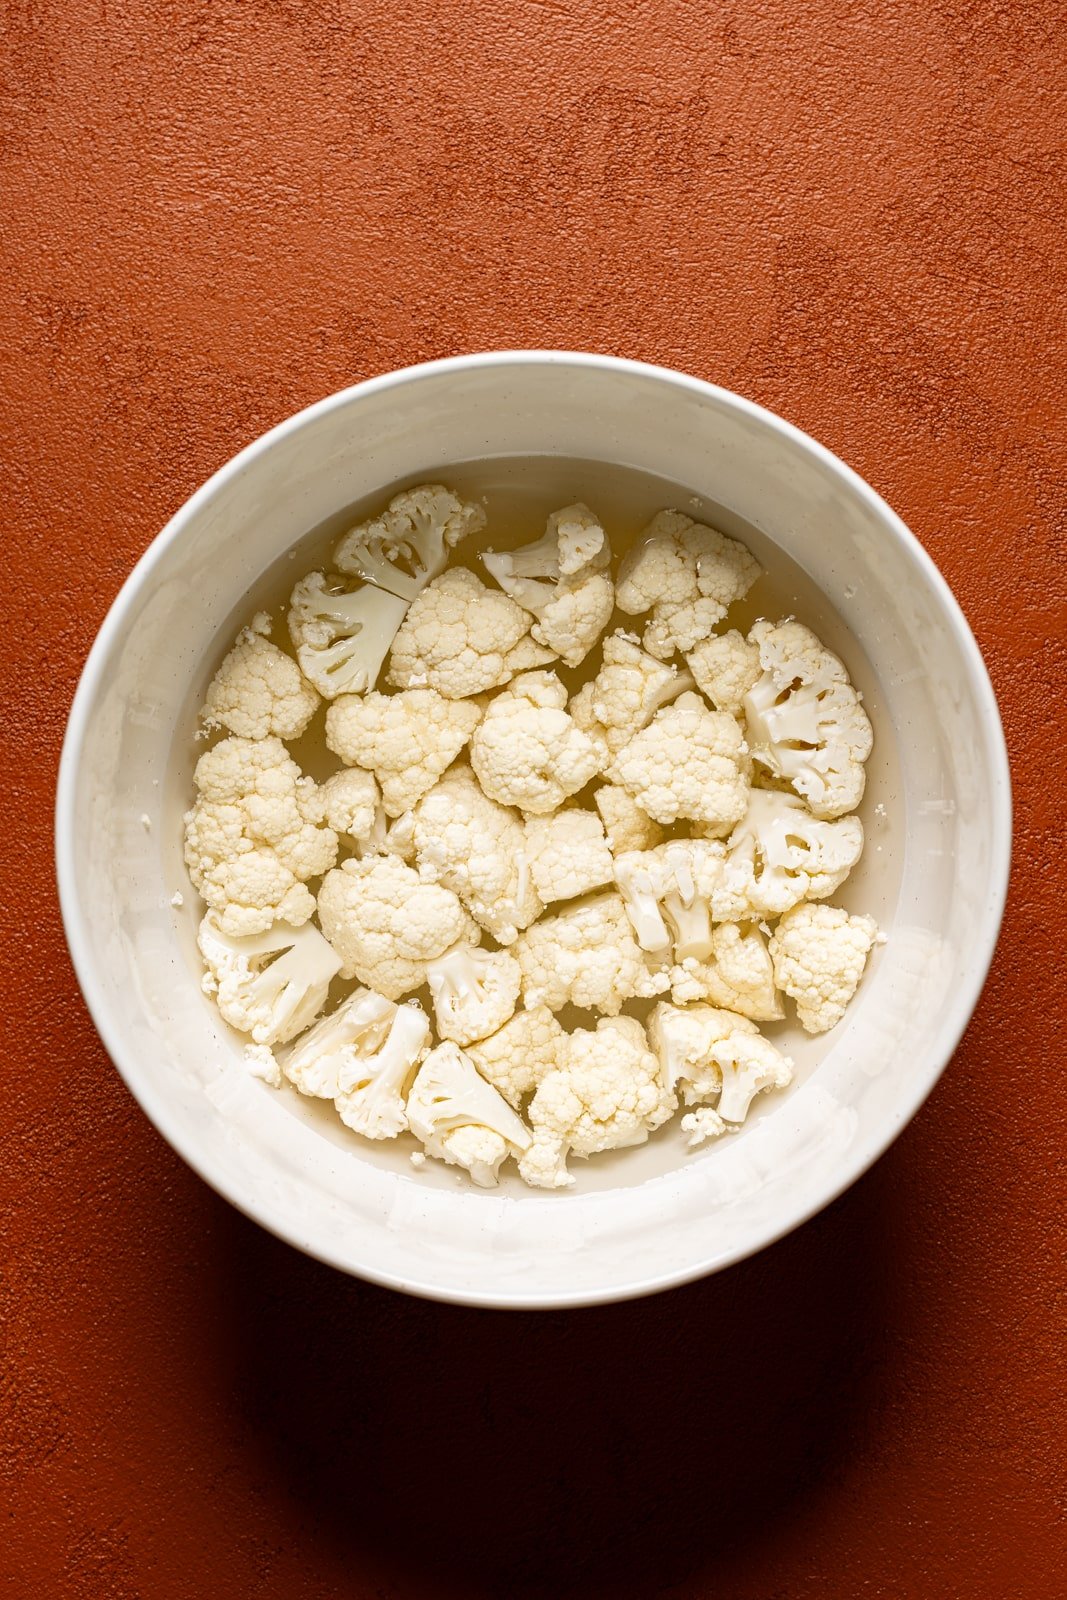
[
  {"x": 701, "y": 1125},
  {"x": 271, "y": 985},
  {"x": 819, "y": 953},
  {"x": 255, "y": 835},
  {"x": 560, "y": 579},
  {"x": 407, "y": 740},
  {"x": 462, "y": 1119},
  {"x": 407, "y": 545},
  {"x": 568, "y": 854},
  {"x": 528, "y": 752},
  {"x": 386, "y": 923},
  {"x": 352, "y": 804},
  {"x": 626, "y": 693},
  {"x": 710, "y": 1052},
  {"x": 462, "y": 638},
  {"x": 688, "y": 575},
  {"x": 607, "y": 1093},
  {"x": 738, "y": 975},
  {"x": 780, "y": 854},
  {"x": 587, "y": 956},
  {"x": 626, "y": 825},
  {"x": 689, "y": 762},
  {"x": 668, "y": 894},
  {"x": 259, "y": 690},
  {"x": 342, "y": 635},
  {"x": 517, "y": 1056},
  {"x": 361, "y": 1057},
  {"x": 474, "y": 992},
  {"x": 725, "y": 667},
  {"x": 805, "y": 721},
  {"x": 476, "y": 848}
]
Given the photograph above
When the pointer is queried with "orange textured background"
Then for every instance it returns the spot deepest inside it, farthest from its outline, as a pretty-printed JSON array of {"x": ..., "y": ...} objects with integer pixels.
[{"x": 216, "y": 211}]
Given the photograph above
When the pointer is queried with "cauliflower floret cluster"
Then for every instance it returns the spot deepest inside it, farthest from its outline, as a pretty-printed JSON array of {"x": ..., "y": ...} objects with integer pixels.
[{"x": 529, "y": 914}]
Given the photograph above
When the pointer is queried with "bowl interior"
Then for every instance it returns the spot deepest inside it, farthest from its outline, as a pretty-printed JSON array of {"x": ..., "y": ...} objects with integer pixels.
[{"x": 527, "y": 430}]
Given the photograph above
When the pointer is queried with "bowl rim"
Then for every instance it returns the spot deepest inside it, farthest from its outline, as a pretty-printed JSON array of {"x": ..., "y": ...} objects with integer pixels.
[{"x": 77, "y": 921}]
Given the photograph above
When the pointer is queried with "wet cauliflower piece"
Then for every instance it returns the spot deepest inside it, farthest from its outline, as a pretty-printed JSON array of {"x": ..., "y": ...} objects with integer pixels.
[
  {"x": 587, "y": 956},
  {"x": 256, "y": 835},
  {"x": 626, "y": 825},
  {"x": 562, "y": 580},
  {"x": 779, "y": 854},
  {"x": 688, "y": 763},
  {"x": 461, "y": 1119},
  {"x": 568, "y": 854},
  {"x": 386, "y": 924},
  {"x": 725, "y": 667},
  {"x": 517, "y": 1056},
  {"x": 606, "y": 1093},
  {"x": 528, "y": 752},
  {"x": 462, "y": 638},
  {"x": 259, "y": 690},
  {"x": 819, "y": 954},
  {"x": 688, "y": 575},
  {"x": 737, "y": 975},
  {"x": 626, "y": 693},
  {"x": 407, "y": 740}
]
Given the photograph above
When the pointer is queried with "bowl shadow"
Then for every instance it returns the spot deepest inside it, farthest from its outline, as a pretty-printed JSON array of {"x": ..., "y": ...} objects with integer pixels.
[{"x": 615, "y": 1450}]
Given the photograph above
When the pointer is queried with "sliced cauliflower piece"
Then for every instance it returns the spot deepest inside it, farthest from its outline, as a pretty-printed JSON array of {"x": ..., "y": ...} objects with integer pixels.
[
  {"x": 476, "y": 848},
  {"x": 352, "y": 804},
  {"x": 780, "y": 854},
  {"x": 271, "y": 985},
  {"x": 517, "y": 1056},
  {"x": 259, "y": 691},
  {"x": 668, "y": 893},
  {"x": 689, "y": 762},
  {"x": 342, "y": 635},
  {"x": 688, "y": 575},
  {"x": 528, "y": 752},
  {"x": 462, "y": 1119},
  {"x": 738, "y": 975},
  {"x": 805, "y": 721},
  {"x": 626, "y": 825},
  {"x": 712, "y": 1052},
  {"x": 701, "y": 1125},
  {"x": 560, "y": 579},
  {"x": 356, "y": 1030},
  {"x": 725, "y": 668},
  {"x": 568, "y": 854},
  {"x": 386, "y": 923},
  {"x": 255, "y": 835},
  {"x": 407, "y": 740},
  {"x": 408, "y": 544},
  {"x": 819, "y": 953},
  {"x": 462, "y": 638},
  {"x": 607, "y": 1093},
  {"x": 587, "y": 956},
  {"x": 361, "y": 1057},
  {"x": 474, "y": 992},
  {"x": 626, "y": 693}
]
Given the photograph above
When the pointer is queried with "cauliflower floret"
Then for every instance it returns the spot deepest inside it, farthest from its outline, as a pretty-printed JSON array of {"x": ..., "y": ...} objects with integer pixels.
[
  {"x": 607, "y": 1093},
  {"x": 528, "y": 752},
  {"x": 712, "y": 1052},
  {"x": 819, "y": 953},
  {"x": 780, "y": 854},
  {"x": 341, "y": 635},
  {"x": 353, "y": 805},
  {"x": 361, "y": 1057},
  {"x": 261, "y": 1063},
  {"x": 407, "y": 545},
  {"x": 462, "y": 638},
  {"x": 587, "y": 956},
  {"x": 255, "y": 835},
  {"x": 273, "y": 984},
  {"x": 701, "y": 1125},
  {"x": 805, "y": 721},
  {"x": 626, "y": 693},
  {"x": 667, "y": 892},
  {"x": 626, "y": 825},
  {"x": 560, "y": 579},
  {"x": 476, "y": 848},
  {"x": 516, "y": 1058},
  {"x": 386, "y": 923},
  {"x": 738, "y": 975},
  {"x": 689, "y": 762},
  {"x": 688, "y": 575},
  {"x": 474, "y": 992},
  {"x": 357, "y": 1029},
  {"x": 725, "y": 668},
  {"x": 568, "y": 854},
  {"x": 462, "y": 1119},
  {"x": 407, "y": 740},
  {"x": 259, "y": 691}
]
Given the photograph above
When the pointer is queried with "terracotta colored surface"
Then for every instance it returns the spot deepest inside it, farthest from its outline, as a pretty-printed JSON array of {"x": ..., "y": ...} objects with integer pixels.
[{"x": 217, "y": 212}]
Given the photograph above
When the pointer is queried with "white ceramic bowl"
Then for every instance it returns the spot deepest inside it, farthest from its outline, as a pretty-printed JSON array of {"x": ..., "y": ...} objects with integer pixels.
[{"x": 654, "y": 1217}]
